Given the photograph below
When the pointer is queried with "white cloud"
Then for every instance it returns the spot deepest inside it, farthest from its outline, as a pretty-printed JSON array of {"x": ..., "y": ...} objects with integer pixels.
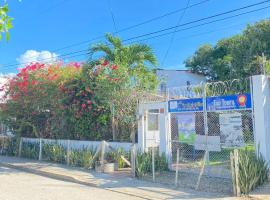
[{"x": 36, "y": 56}]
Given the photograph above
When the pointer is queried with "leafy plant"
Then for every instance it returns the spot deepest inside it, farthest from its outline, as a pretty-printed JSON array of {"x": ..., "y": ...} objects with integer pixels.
[
  {"x": 9, "y": 146},
  {"x": 30, "y": 150},
  {"x": 253, "y": 171},
  {"x": 144, "y": 163},
  {"x": 82, "y": 158},
  {"x": 5, "y": 21},
  {"x": 54, "y": 152}
]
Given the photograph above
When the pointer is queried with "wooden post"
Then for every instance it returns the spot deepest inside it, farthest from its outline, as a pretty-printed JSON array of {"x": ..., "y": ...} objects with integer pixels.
[
  {"x": 40, "y": 149},
  {"x": 177, "y": 168},
  {"x": 68, "y": 152},
  {"x": 102, "y": 154},
  {"x": 20, "y": 147},
  {"x": 133, "y": 160},
  {"x": 153, "y": 164},
  {"x": 236, "y": 166},
  {"x": 233, "y": 172},
  {"x": 113, "y": 123},
  {"x": 202, "y": 170}
]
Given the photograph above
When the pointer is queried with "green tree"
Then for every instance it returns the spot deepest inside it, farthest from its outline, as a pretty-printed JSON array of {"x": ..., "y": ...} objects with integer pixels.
[
  {"x": 139, "y": 60},
  {"x": 234, "y": 57},
  {"x": 136, "y": 70},
  {"x": 5, "y": 22}
]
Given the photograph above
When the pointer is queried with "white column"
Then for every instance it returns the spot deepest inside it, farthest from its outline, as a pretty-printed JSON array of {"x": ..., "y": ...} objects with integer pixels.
[
  {"x": 141, "y": 132},
  {"x": 165, "y": 133},
  {"x": 261, "y": 109}
]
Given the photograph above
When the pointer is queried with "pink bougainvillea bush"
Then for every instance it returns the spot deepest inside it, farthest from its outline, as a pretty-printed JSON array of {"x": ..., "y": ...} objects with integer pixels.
[{"x": 61, "y": 100}]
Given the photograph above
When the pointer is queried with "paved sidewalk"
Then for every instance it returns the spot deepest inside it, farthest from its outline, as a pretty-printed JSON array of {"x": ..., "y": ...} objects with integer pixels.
[{"x": 124, "y": 185}]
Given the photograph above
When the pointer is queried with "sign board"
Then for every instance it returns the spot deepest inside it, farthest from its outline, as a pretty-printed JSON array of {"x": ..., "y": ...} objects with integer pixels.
[
  {"x": 185, "y": 105},
  {"x": 219, "y": 103},
  {"x": 206, "y": 142},
  {"x": 231, "y": 132},
  {"x": 186, "y": 128},
  {"x": 231, "y": 102}
]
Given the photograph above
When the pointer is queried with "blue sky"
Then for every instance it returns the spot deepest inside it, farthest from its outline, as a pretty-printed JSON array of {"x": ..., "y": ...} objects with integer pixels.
[{"x": 47, "y": 25}]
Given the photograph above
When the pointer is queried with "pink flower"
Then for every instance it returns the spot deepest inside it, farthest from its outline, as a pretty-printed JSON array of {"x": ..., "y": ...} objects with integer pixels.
[
  {"x": 105, "y": 63},
  {"x": 83, "y": 105},
  {"x": 88, "y": 102},
  {"x": 114, "y": 67}
]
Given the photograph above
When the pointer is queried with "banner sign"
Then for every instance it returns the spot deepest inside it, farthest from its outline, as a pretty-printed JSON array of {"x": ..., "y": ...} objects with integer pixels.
[
  {"x": 185, "y": 105},
  {"x": 230, "y": 102},
  {"x": 186, "y": 128},
  {"x": 231, "y": 131}
]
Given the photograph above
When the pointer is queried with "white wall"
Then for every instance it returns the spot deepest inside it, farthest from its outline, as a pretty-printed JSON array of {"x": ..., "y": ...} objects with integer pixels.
[
  {"x": 261, "y": 108},
  {"x": 80, "y": 144},
  {"x": 178, "y": 78}
]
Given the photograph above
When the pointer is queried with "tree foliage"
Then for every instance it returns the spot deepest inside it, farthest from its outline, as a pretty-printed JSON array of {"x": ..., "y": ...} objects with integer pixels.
[
  {"x": 5, "y": 22},
  {"x": 234, "y": 57}
]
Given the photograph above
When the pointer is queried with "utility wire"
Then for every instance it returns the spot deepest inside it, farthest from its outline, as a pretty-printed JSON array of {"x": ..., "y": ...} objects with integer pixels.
[
  {"x": 173, "y": 35},
  {"x": 112, "y": 15},
  {"x": 132, "y": 26},
  {"x": 167, "y": 33},
  {"x": 199, "y": 25},
  {"x": 203, "y": 19}
]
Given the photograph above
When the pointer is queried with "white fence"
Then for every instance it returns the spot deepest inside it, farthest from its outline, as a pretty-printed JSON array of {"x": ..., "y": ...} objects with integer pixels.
[{"x": 79, "y": 144}]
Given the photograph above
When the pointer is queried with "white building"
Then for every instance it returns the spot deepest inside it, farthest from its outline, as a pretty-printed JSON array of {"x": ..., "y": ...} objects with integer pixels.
[{"x": 177, "y": 78}]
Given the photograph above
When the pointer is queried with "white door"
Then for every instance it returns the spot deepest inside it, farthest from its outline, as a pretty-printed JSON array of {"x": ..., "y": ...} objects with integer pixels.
[{"x": 152, "y": 128}]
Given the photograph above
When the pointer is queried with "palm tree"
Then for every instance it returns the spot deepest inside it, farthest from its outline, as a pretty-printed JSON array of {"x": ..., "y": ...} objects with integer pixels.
[
  {"x": 140, "y": 62},
  {"x": 134, "y": 55}
]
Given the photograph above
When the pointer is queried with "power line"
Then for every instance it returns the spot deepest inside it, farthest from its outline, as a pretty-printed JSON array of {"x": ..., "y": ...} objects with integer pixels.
[
  {"x": 135, "y": 25},
  {"x": 172, "y": 38},
  {"x": 167, "y": 33},
  {"x": 199, "y": 25},
  {"x": 202, "y": 19},
  {"x": 112, "y": 15},
  {"x": 132, "y": 26}
]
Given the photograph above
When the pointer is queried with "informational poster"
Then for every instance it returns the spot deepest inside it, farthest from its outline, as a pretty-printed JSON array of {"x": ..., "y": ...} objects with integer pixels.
[
  {"x": 186, "y": 127},
  {"x": 231, "y": 132},
  {"x": 207, "y": 143}
]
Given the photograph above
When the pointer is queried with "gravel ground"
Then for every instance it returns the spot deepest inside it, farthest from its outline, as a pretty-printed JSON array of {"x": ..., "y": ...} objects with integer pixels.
[{"x": 189, "y": 180}]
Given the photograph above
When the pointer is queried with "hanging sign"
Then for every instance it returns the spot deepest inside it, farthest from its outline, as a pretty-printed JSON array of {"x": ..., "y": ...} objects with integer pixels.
[
  {"x": 186, "y": 105},
  {"x": 231, "y": 102},
  {"x": 186, "y": 128},
  {"x": 231, "y": 131}
]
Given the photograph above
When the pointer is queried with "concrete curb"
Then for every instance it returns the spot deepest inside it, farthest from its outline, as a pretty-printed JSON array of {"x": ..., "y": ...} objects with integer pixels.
[{"x": 70, "y": 179}]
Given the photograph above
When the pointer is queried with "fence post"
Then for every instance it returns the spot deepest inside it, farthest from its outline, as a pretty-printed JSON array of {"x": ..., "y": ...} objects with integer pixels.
[
  {"x": 153, "y": 164},
  {"x": 177, "y": 168},
  {"x": 40, "y": 149},
  {"x": 20, "y": 147},
  {"x": 236, "y": 166},
  {"x": 68, "y": 152},
  {"x": 102, "y": 154},
  {"x": 202, "y": 170},
  {"x": 133, "y": 160},
  {"x": 233, "y": 172}
]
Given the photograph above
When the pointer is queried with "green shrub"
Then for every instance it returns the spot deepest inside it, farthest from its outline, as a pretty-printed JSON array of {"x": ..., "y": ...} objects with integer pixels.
[
  {"x": 54, "y": 152},
  {"x": 253, "y": 171},
  {"x": 9, "y": 147},
  {"x": 30, "y": 150},
  {"x": 144, "y": 163},
  {"x": 82, "y": 158}
]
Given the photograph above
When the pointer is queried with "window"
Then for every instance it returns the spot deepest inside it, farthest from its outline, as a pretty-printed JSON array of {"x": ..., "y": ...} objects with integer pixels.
[{"x": 153, "y": 120}]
